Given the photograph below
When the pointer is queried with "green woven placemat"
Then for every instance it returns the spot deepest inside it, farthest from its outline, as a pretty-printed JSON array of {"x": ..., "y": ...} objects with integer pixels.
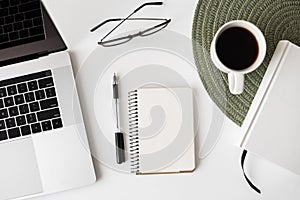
[{"x": 277, "y": 19}]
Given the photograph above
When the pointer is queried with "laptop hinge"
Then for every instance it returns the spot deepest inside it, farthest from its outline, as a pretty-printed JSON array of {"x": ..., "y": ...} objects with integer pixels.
[
  {"x": 23, "y": 58},
  {"x": 43, "y": 53}
]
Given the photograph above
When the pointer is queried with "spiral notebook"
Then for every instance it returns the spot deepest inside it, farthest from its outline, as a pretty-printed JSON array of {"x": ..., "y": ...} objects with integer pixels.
[{"x": 161, "y": 138}]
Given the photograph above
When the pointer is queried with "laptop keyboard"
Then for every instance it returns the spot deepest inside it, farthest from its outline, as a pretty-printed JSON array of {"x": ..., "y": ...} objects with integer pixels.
[
  {"x": 21, "y": 22},
  {"x": 28, "y": 105}
]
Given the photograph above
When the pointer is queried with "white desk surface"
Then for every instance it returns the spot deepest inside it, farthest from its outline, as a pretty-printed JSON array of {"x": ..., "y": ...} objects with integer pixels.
[{"x": 218, "y": 176}]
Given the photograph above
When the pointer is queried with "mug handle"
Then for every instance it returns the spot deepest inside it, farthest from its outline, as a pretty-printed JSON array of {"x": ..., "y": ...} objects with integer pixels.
[{"x": 236, "y": 82}]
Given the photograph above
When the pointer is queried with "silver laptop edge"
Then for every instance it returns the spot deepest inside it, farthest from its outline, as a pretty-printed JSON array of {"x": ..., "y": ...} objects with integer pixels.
[{"x": 61, "y": 158}]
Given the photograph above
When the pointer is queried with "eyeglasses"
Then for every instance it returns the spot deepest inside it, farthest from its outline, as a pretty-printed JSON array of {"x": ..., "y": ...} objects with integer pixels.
[{"x": 121, "y": 40}]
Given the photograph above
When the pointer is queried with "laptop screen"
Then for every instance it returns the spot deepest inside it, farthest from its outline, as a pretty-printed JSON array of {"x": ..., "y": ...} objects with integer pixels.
[{"x": 26, "y": 31}]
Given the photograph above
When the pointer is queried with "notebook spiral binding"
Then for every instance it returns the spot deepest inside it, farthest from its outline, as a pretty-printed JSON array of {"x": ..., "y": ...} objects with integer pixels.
[{"x": 133, "y": 131}]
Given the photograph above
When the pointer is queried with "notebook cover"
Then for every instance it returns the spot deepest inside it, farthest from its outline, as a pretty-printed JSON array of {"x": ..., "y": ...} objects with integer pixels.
[
  {"x": 165, "y": 130},
  {"x": 274, "y": 131}
]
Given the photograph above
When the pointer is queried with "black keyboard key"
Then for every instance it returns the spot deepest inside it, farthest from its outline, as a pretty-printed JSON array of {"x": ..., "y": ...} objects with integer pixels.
[
  {"x": 4, "y": 12},
  {"x": 38, "y": 21},
  {"x": 57, "y": 123},
  {"x": 24, "y": 109},
  {"x": 12, "y": 90},
  {"x": 18, "y": 26},
  {"x": 31, "y": 118},
  {"x": 50, "y": 92},
  {"x": 25, "y": 1},
  {"x": 1, "y": 28},
  {"x": 7, "y": 28},
  {"x": 28, "y": 23},
  {"x": 13, "y": 10},
  {"x": 29, "y": 6},
  {"x": 2, "y": 124},
  {"x": 25, "y": 130},
  {"x": 3, "y": 92},
  {"x": 3, "y": 135},
  {"x": 46, "y": 82},
  {"x": 4, "y": 38},
  {"x": 48, "y": 114},
  {"x": 34, "y": 106},
  {"x": 24, "y": 33},
  {"x": 19, "y": 17},
  {"x": 14, "y": 2},
  {"x": 36, "y": 128},
  {"x": 14, "y": 132},
  {"x": 49, "y": 103},
  {"x": 32, "y": 14},
  {"x": 19, "y": 99},
  {"x": 1, "y": 23},
  {"x": 46, "y": 125},
  {"x": 21, "y": 120},
  {"x": 14, "y": 35},
  {"x": 8, "y": 101},
  {"x": 22, "y": 88},
  {"x": 9, "y": 19},
  {"x": 10, "y": 122},
  {"x": 1, "y": 103},
  {"x": 3, "y": 113},
  {"x": 4, "y": 4},
  {"x": 37, "y": 30},
  {"x": 40, "y": 94},
  {"x": 32, "y": 85},
  {"x": 13, "y": 111},
  {"x": 29, "y": 97}
]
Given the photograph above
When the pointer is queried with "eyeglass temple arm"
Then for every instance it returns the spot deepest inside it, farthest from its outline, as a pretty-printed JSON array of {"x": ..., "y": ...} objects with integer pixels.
[
  {"x": 148, "y": 4},
  {"x": 145, "y": 4},
  {"x": 104, "y": 22}
]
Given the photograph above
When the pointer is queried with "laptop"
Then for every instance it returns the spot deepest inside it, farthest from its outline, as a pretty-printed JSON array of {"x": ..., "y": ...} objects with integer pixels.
[{"x": 43, "y": 142}]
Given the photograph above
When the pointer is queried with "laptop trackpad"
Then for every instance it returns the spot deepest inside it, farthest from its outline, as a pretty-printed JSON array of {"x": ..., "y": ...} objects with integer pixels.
[{"x": 18, "y": 169}]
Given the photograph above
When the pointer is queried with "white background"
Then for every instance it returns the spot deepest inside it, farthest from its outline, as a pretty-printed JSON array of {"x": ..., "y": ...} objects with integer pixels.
[{"x": 219, "y": 176}]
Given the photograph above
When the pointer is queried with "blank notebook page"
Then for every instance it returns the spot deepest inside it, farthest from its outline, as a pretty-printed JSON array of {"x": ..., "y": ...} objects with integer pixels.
[{"x": 166, "y": 130}]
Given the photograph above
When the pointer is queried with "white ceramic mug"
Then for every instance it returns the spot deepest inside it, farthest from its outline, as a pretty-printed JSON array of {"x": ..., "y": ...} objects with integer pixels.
[{"x": 236, "y": 77}]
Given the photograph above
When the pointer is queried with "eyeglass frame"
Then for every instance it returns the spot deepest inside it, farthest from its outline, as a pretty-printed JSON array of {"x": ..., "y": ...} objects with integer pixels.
[{"x": 129, "y": 37}]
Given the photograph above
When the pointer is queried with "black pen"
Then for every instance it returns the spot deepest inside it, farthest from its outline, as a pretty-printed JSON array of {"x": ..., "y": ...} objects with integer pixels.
[{"x": 119, "y": 138}]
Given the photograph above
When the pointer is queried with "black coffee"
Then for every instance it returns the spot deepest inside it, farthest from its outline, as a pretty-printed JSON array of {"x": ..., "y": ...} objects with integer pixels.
[{"x": 237, "y": 48}]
